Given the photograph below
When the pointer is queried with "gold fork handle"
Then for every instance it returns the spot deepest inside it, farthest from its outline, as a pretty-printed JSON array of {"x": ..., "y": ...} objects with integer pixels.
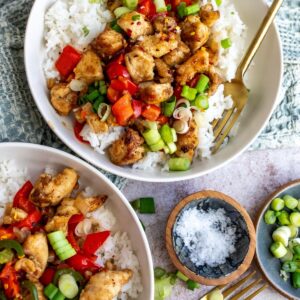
[{"x": 256, "y": 42}]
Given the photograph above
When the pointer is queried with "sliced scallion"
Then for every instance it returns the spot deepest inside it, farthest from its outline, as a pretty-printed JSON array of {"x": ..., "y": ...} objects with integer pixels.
[
  {"x": 120, "y": 11},
  {"x": 192, "y": 285},
  {"x": 218, "y": 2},
  {"x": 188, "y": 93},
  {"x": 151, "y": 136},
  {"x": 169, "y": 106},
  {"x": 201, "y": 102},
  {"x": 131, "y": 4},
  {"x": 192, "y": 9},
  {"x": 202, "y": 83},
  {"x": 144, "y": 205},
  {"x": 226, "y": 43},
  {"x": 159, "y": 272},
  {"x": 181, "y": 10},
  {"x": 93, "y": 95},
  {"x": 160, "y": 5},
  {"x": 182, "y": 276},
  {"x": 179, "y": 164}
]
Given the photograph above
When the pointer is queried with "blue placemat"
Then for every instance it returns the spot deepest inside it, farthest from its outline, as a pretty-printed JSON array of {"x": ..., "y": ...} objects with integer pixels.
[{"x": 21, "y": 121}]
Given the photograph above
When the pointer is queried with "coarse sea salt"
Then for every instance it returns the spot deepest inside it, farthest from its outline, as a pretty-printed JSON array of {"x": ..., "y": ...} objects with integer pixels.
[{"x": 210, "y": 235}]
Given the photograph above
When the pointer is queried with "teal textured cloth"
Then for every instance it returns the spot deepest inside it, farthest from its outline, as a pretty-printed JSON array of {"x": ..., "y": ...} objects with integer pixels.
[{"x": 21, "y": 121}]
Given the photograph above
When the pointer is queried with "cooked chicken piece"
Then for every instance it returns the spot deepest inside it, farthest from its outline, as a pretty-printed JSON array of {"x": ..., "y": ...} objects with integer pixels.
[
  {"x": 198, "y": 63},
  {"x": 113, "y": 4},
  {"x": 188, "y": 142},
  {"x": 67, "y": 208},
  {"x": 128, "y": 149},
  {"x": 178, "y": 55},
  {"x": 14, "y": 214},
  {"x": 163, "y": 71},
  {"x": 58, "y": 223},
  {"x": 89, "y": 68},
  {"x": 215, "y": 80},
  {"x": 89, "y": 204},
  {"x": 155, "y": 93},
  {"x": 51, "y": 83},
  {"x": 96, "y": 124},
  {"x": 164, "y": 24},
  {"x": 36, "y": 248},
  {"x": 49, "y": 191},
  {"x": 108, "y": 43},
  {"x": 208, "y": 16},
  {"x": 140, "y": 65},
  {"x": 159, "y": 44},
  {"x": 105, "y": 285},
  {"x": 135, "y": 25},
  {"x": 194, "y": 33},
  {"x": 80, "y": 113},
  {"x": 213, "y": 49},
  {"x": 63, "y": 98}
]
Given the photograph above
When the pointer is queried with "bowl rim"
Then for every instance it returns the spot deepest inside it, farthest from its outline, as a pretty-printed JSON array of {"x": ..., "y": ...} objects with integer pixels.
[
  {"x": 102, "y": 177},
  {"x": 264, "y": 207},
  {"x": 202, "y": 195},
  {"x": 122, "y": 171}
]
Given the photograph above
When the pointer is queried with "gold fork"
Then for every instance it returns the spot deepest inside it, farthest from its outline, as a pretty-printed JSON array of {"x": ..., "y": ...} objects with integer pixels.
[
  {"x": 227, "y": 292},
  {"x": 236, "y": 88}
]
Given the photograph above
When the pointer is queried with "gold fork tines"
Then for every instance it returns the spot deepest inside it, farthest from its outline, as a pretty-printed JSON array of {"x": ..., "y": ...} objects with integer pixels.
[
  {"x": 246, "y": 289},
  {"x": 258, "y": 291}
]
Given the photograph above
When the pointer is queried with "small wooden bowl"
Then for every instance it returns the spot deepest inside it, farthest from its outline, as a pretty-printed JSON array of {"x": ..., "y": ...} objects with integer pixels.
[{"x": 233, "y": 209}]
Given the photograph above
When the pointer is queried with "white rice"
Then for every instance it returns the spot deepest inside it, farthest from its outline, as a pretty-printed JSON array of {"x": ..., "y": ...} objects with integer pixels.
[
  {"x": 74, "y": 22},
  {"x": 152, "y": 160},
  {"x": 118, "y": 246}
]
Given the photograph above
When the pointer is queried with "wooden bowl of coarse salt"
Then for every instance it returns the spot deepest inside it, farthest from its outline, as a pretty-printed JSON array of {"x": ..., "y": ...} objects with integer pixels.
[{"x": 210, "y": 238}]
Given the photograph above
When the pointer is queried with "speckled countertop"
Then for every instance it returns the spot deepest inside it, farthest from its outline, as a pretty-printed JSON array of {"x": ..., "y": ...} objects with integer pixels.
[{"x": 249, "y": 179}]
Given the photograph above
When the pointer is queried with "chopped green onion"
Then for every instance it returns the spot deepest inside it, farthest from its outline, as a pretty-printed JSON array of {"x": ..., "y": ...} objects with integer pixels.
[
  {"x": 278, "y": 250},
  {"x": 290, "y": 202},
  {"x": 188, "y": 93},
  {"x": 131, "y": 4},
  {"x": 97, "y": 103},
  {"x": 169, "y": 106},
  {"x": 173, "y": 278},
  {"x": 59, "y": 296},
  {"x": 157, "y": 146},
  {"x": 179, "y": 164},
  {"x": 103, "y": 89},
  {"x": 160, "y": 5},
  {"x": 191, "y": 285},
  {"x": 172, "y": 148},
  {"x": 283, "y": 218},
  {"x": 151, "y": 136},
  {"x": 192, "y": 9},
  {"x": 50, "y": 290},
  {"x": 166, "y": 133},
  {"x": 202, "y": 102},
  {"x": 288, "y": 256},
  {"x": 93, "y": 95},
  {"x": 6, "y": 255},
  {"x": 181, "y": 10},
  {"x": 159, "y": 272},
  {"x": 144, "y": 205},
  {"x": 85, "y": 30},
  {"x": 202, "y": 83},
  {"x": 182, "y": 276},
  {"x": 296, "y": 249},
  {"x": 290, "y": 266},
  {"x": 218, "y": 2},
  {"x": 115, "y": 26},
  {"x": 296, "y": 279},
  {"x": 174, "y": 134},
  {"x": 169, "y": 7},
  {"x": 149, "y": 124},
  {"x": 282, "y": 235},
  {"x": 136, "y": 17},
  {"x": 295, "y": 218},
  {"x": 104, "y": 111},
  {"x": 120, "y": 11},
  {"x": 68, "y": 286},
  {"x": 277, "y": 204},
  {"x": 270, "y": 217},
  {"x": 294, "y": 230},
  {"x": 226, "y": 43}
]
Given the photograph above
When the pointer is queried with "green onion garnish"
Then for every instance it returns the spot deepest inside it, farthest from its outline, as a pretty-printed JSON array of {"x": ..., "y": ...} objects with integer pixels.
[
  {"x": 179, "y": 164},
  {"x": 188, "y": 93},
  {"x": 85, "y": 30},
  {"x": 181, "y": 10},
  {"x": 169, "y": 7},
  {"x": 135, "y": 17},
  {"x": 182, "y": 276},
  {"x": 169, "y": 106},
  {"x": 115, "y": 26},
  {"x": 226, "y": 43},
  {"x": 144, "y": 205},
  {"x": 93, "y": 95},
  {"x": 192, "y": 9},
  {"x": 201, "y": 102},
  {"x": 218, "y": 2},
  {"x": 191, "y": 285},
  {"x": 159, "y": 272},
  {"x": 97, "y": 103},
  {"x": 202, "y": 83}
]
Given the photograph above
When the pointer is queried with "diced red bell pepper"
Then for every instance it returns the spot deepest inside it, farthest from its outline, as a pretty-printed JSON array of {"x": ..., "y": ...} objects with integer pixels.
[
  {"x": 123, "y": 110},
  {"x": 6, "y": 234},
  {"x": 137, "y": 108},
  {"x": 31, "y": 220},
  {"x": 124, "y": 84},
  {"x": 113, "y": 95},
  {"x": 147, "y": 8},
  {"x": 151, "y": 112},
  {"x": 21, "y": 198},
  {"x": 94, "y": 241},
  {"x": 175, "y": 3},
  {"x": 114, "y": 70},
  {"x": 162, "y": 119},
  {"x": 47, "y": 276},
  {"x": 120, "y": 59},
  {"x": 67, "y": 61},
  {"x": 177, "y": 91},
  {"x": 192, "y": 83},
  {"x": 77, "y": 129},
  {"x": 73, "y": 222},
  {"x": 8, "y": 277},
  {"x": 81, "y": 263}
]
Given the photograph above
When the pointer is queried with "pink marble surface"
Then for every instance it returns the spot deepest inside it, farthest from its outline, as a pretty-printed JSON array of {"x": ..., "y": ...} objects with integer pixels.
[{"x": 249, "y": 179}]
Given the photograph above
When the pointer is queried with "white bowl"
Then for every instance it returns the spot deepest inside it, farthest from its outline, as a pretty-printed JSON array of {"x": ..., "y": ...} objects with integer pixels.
[
  {"x": 35, "y": 158},
  {"x": 264, "y": 81}
]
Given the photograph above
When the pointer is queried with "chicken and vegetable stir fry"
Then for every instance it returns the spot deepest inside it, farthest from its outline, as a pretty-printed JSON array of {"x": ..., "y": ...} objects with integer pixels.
[
  {"x": 150, "y": 71},
  {"x": 42, "y": 253}
]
